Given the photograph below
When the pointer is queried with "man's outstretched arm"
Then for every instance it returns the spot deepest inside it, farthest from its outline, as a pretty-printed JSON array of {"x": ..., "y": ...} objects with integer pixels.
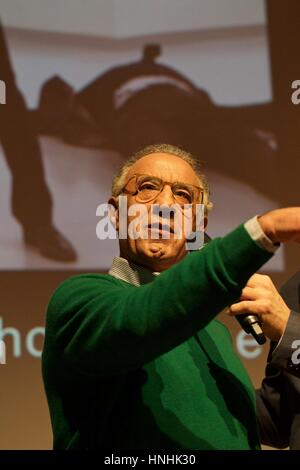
[{"x": 98, "y": 328}]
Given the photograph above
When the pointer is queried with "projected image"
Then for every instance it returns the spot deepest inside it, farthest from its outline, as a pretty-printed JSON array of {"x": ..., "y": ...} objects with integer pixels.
[
  {"x": 146, "y": 102},
  {"x": 74, "y": 125}
]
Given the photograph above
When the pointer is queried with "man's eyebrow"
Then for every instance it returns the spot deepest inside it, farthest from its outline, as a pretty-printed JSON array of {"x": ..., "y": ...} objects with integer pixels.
[
  {"x": 183, "y": 184},
  {"x": 163, "y": 179}
]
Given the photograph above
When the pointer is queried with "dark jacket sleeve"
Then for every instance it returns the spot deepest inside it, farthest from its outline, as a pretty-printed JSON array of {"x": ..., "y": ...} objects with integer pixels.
[
  {"x": 278, "y": 399},
  {"x": 100, "y": 326}
]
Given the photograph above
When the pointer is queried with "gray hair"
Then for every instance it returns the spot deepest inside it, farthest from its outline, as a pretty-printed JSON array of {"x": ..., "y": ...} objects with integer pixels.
[{"x": 119, "y": 180}]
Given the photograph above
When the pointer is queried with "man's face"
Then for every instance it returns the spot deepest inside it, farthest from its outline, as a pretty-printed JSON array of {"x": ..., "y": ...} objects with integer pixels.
[{"x": 155, "y": 252}]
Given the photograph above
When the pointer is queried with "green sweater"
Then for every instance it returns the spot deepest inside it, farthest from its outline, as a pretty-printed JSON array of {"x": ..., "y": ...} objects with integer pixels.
[{"x": 149, "y": 367}]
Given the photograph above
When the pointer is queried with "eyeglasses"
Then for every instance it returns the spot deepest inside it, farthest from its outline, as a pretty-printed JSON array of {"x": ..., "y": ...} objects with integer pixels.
[{"x": 147, "y": 188}]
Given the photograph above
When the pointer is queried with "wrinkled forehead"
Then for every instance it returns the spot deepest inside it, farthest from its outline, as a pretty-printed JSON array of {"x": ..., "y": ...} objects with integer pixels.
[{"x": 165, "y": 166}]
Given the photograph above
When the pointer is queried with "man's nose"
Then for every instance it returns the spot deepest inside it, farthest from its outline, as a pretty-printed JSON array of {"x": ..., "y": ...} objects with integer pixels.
[
  {"x": 164, "y": 206},
  {"x": 165, "y": 197}
]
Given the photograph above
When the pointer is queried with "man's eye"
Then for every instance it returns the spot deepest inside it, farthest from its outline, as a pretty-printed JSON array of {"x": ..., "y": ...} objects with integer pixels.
[
  {"x": 148, "y": 185},
  {"x": 183, "y": 194}
]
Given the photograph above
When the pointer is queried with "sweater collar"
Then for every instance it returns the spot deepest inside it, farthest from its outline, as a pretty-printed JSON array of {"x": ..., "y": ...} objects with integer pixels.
[{"x": 130, "y": 272}]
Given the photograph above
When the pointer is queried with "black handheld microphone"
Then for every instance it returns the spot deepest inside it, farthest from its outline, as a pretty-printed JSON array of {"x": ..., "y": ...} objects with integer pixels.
[
  {"x": 249, "y": 322},
  {"x": 252, "y": 326}
]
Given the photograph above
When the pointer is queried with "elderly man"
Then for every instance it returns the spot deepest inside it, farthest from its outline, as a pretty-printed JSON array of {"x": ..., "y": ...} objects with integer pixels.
[{"x": 136, "y": 358}]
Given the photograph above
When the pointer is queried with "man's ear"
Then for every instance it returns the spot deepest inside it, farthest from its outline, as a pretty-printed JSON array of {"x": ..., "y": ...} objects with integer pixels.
[{"x": 114, "y": 214}]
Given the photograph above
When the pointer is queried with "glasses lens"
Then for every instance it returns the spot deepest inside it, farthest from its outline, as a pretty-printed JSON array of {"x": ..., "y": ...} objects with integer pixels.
[
  {"x": 148, "y": 188},
  {"x": 183, "y": 194}
]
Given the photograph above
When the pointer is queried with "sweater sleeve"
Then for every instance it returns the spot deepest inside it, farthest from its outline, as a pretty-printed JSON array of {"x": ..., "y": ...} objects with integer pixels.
[{"x": 99, "y": 326}]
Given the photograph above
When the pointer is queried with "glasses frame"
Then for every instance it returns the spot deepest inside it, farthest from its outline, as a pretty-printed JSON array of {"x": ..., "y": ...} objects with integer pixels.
[{"x": 199, "y": 190}]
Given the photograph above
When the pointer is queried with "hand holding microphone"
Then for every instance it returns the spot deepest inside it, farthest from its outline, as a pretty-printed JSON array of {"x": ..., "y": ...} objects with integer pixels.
[
  {"x": 250, "y": 323},
  {"x": 261, "y": 306}
]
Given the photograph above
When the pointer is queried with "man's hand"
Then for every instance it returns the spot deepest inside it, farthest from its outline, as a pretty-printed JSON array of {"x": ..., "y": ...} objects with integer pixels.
[
  {"x": 282, "y": 225},
  {"x": 260, "y": 297}
]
